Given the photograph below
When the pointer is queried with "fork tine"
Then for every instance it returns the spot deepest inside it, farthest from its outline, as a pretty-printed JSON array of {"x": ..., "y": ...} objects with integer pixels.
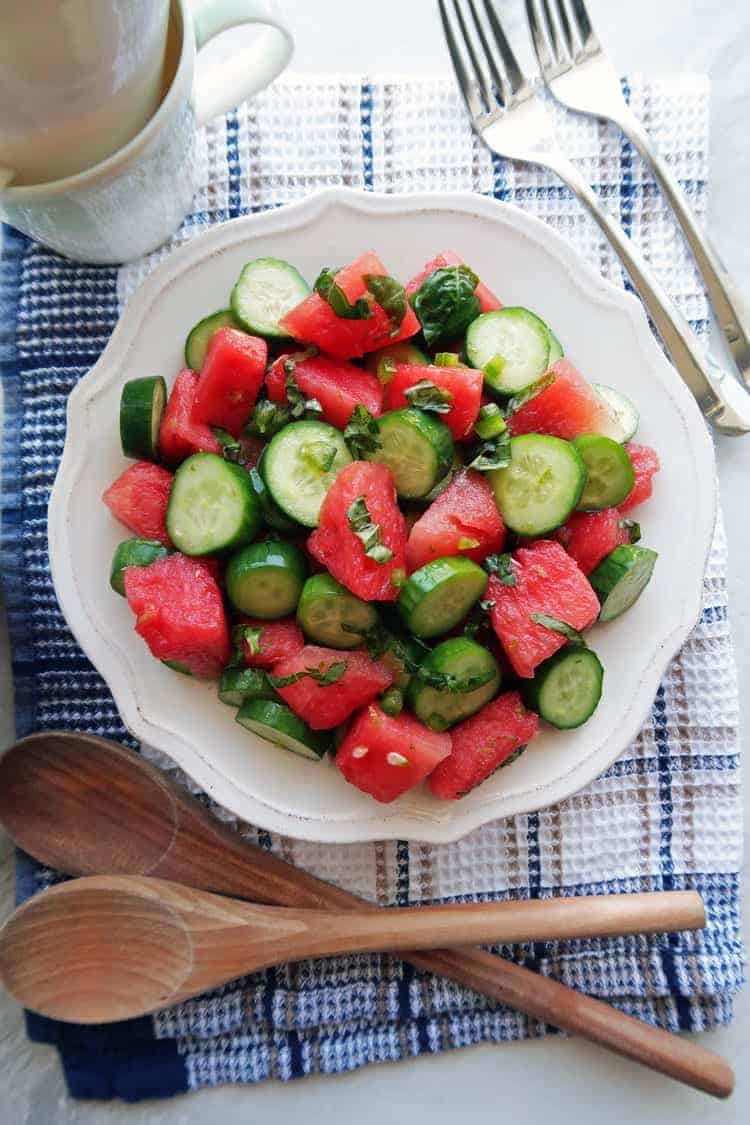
[
  {"x": 512, "y": 69},
  {"x": 558, "y": 50},
  {"x": 567, "y": 31},
  {"x": 585, "y": 30},
  {"x": 472, "y": 99},
  {"x": 479, "y": 71},
  {"x": 497, "y": 77},
  {"x": 544, "y": 58}
]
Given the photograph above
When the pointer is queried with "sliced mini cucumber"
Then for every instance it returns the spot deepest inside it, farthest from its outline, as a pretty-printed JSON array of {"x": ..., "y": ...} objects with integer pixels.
[
  {"x": 142, "y": 403},
  {"x": 266, "y": 579},
  {"x": 620, "y": 579},
  {"x": 417, "y": 448},
  {"x": 392, "y": 701},
  {"x": 133, "y": 552},
  {"x": 542, "y": 485},
  {"x": 555, "y": 348},
  {"x": 609, "y": 472},
  {"x": 266, "y": 290},
  {"x": 383, "y": 361},
  {"x": 515, "y": 344},
  {"x": 212, "y": 506},
  {"x": 201, "y": 335},
  {"x": 278, "y": 723},
  {"x": 331, "y": 615},
  {"x": 624, "y": 417},
  {"x": 458, "y": 660},
  {"x": 566, "y": 689},
  {"x": 299, "y": 466},
  {"x": 440, "y": 594},
  {"x": 240, "y": 684},
  {"x": 273, "y": 516}
]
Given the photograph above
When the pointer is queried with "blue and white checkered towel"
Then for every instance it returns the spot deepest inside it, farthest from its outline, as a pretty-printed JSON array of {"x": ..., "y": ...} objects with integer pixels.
[{"x": 666, "y": 815}]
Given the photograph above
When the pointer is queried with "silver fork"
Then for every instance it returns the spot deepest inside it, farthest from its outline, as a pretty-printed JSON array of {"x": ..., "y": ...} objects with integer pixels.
[
  {"x": 512, "y": 121},
  {"x": 578, "y": 72}
]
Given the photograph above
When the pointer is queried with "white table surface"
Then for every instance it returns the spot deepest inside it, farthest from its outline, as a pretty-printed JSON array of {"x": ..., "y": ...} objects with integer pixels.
[{"x": 523, "y": 1081}]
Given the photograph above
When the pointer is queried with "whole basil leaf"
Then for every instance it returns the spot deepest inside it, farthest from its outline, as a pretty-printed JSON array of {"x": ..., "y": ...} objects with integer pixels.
[
  {"x": 325, "y": 285},
  {"x": 558, "y": 626},
  {"x": 446, "y": 303}
]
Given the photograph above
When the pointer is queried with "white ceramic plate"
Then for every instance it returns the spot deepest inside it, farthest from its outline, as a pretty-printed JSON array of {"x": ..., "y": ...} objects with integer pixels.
[{"x": 605, "y": 334}]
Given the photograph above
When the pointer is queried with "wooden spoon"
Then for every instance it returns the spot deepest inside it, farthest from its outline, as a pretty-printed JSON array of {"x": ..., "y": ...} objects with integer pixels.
[
  {"x": 112, "y": 947},
  {"x": 86, "y": 805}
]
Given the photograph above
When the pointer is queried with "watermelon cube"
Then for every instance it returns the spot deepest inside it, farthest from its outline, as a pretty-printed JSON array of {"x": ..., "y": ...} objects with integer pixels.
[
  {"x": 139, "y": 499},
  {"x": 565, "y": 409},
  {"x": 324, "y": 706},
  {"x": 385, "y": 756},
  {"x": 338, "y": 386},
  {"x": 463, "y": 520}
]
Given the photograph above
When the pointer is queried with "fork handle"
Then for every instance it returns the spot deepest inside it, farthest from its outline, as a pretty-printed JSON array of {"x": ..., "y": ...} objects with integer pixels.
[
  {"x": 732, "y": 313},
  {"x": 723, "y": 400}
]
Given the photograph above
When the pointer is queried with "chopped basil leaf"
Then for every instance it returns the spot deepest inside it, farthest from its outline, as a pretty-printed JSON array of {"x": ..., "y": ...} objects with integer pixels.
[
  {"x": 557, "y": 626},
  {"x": 492, "y": 454},
  {"x": 367, "y": 532},
  {"x": 390, "y": 295},
  {"x": 267, "y": 419},
  {"x": 448, "y": 681},
  {"x": 323, "y": 676},
  {"x": 513, "y": 757},
  {"x": 231, "y": 450},
  {"x": 502, "y": 567},
  {"x": 446, "y": 303},
  {"x": 427, "y": 396},
  {"x": 300, "y": 406},
  {"x": 335, "y": 296},
  {"x": 361, "y": 433},
  {"x": 530, "y": 392}
]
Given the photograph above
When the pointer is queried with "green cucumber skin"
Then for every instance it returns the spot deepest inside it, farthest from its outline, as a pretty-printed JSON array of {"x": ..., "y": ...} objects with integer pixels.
[
  {"x": 249, "y": 524},
  {"x": 556, "y": 350},
  {"x": 625, "y": 417},
  {"x": 255, "y": 562},
  {"x": 441, "y": 709},
  {"x": 495, "y": 477},
  {"x": 133, "y": 552},
  {"x": 533, "y": 691},
  {"x": 261, "y": 327},
  {"x": 279, "y": 450},
  {"x": 240, "y": 684},
  {"x": 200, "y": 335},
  {"x": 273, "y": 516},
  {"x": 324, "y": 588},
  {"x": 274, "y": 721},
  {"x": 437, "y": 438},
  {"x": 423, "y": 582},
  {"x": 590, "y": 447},
  {"x": 616, "y": 568},
  {"x": 139, "y": 428}
]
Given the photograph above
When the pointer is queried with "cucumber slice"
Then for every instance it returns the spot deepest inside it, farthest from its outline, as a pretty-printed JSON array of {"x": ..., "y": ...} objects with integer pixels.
[
  {"x": 133, "y": 552},
  {"x": 383, "y": 361},
  {"x": 278, "y": 723},
  {"x": 240, "y": 684},
  {"x": 273, "y": 516},
  {"x": 440, "y": 594},
  {"x": 266, "y": 579},
  {"x": 459, "y": 657},
  {"x": 212, "y": 506},
  {"x": 201, "y": 335},
  {"x": 299, "y": 466},
  {"x": 417, "y": 448},
  {"x": 266, "y": 290},
  {"x": 620, "y": 579},
  {"x": 624, "y": 416},
  {"x": 517, "y": 339},
  {"x": 541, "y": 486},
  {"x": 566, "y": 689},
  {"x": 142, "y": 403},
  {"x": 555, "y": 348},
  {"x": 609, "y": 472},
  {"x": 329, "y": 614}
]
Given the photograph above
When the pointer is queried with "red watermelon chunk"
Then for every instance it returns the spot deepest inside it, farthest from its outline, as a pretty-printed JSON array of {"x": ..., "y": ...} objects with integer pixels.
[
  {"x": 547, "y": 581},
  {"x": 464, "y": 385},
  {"x": 180, "y": 435},
  {"x": 338, "y": 386},
  {"x": 338, "y": 549},
  {"x": 568, "y": 407},
  {"x": 139, "y": 499},
  {"x": 275, "y": 641},
  {"x": 325, "y": 706},
  {"x": 589, "y": 537},
  {"x": 180, "y": 613},
  {"x": 231, "y": 376},
  {"x": 481, "y": 744},
  {"x": 463, "y": 520},
  {"x": 646, "y": 465},
  {"x": 385, "y": 756},
  {"x": 314, "y": 321},
  {"x": 487, "y": 299}
]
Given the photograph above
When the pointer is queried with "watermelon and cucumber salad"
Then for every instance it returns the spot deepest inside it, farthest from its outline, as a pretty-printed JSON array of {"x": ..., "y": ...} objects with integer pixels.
[{"x": 382, "y": 516}]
